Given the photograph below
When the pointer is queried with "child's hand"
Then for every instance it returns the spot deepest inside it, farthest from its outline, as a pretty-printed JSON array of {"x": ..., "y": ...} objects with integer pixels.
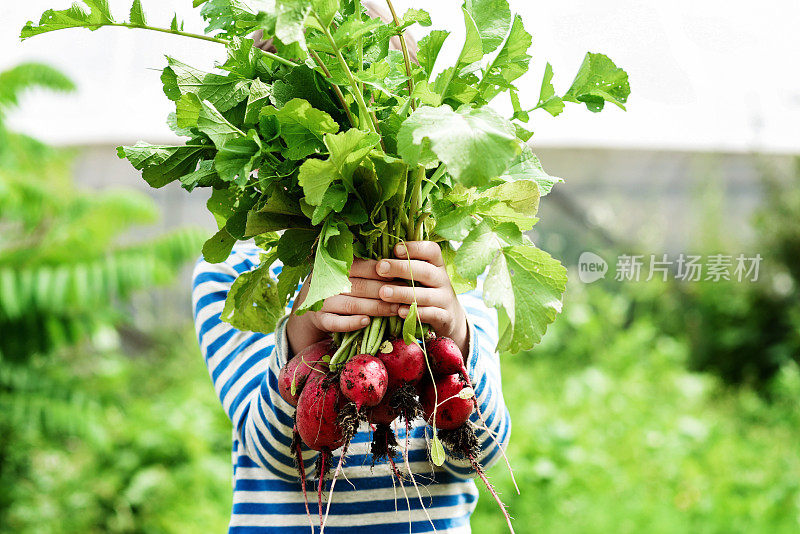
[
  {"x": 372, "y": 294},
  {"x": 341, "y": 313},
  {"x": 437, "y": 304}
]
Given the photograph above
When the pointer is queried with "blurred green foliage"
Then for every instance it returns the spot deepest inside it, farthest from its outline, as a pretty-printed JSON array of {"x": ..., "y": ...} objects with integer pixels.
[
  {"x": 612, "y": 434},
  {"x": 68, "y": 266},
  {"x": 746, "y": 333},
  {"x": 157, "y": 458}
]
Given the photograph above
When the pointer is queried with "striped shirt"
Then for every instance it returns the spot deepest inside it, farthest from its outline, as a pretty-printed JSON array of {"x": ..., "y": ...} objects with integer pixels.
[{"x": 267, "y": 497}]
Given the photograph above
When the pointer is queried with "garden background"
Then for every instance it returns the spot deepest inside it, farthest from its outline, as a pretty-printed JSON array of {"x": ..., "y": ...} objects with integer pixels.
[{"x": 650, "y": 406}]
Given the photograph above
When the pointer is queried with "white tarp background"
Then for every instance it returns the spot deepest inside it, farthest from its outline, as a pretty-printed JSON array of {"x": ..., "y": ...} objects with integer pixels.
[{"x": 705, "y": 74}]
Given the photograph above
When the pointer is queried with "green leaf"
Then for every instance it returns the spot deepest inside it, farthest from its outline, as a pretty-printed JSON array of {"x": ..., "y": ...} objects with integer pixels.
[
  {"x": 231, "y": 16},
  {"x": 288, "y": 280},
  {"x": 260, "y": 222},
  {"x": 459, "y": 283},
  {"x": 223, "y": 92},
  {"x": 521, "y": 196},
  {"x": 295, "y": 246},
  {"x": 325, "y": 10},
  {"x": 303, "y": 82},
  {"x": 481, "y": 245},
  {"x": 332, "y": 262},
  {"x": 527, "y": 166},
  {"x": 525, "y": 284},
  {"x": 192, "y": 113},
  {"x": 472, "y": 52},
  {"x": 493, "y": 18},
  {"x": 599, "y": 81},
  {"x": 204, "y": 176},
  {"x": 437, "y": 451},
  {"x": 315, "y": 176},
  {"x": 279, "y": 201},
  {"x": 302, "y": 127},
  {"x": 137, "y": 14},
  {"x": 334, "y": 199},
  {"x": 353, "y": 28},
  {"x": 290, "y": 16},
  {"x": 74, "y": 17},
  {"x": 222, "y": 205},
  {"x": 512, "y": 60},
  {"x": 348, "y": 149},
  {"x": 523, "y": 134},
  {"x": 219, "y": 246},
  {"x": 475, "y": 144},
  {"x": 410, "y": 325},
  {"x": 455, "y": 224},
  {"x": 429, "y": 48},
  {"x": 415, "y": 16},
  {"x": 238, "y": 157},
  {"x": 244, "y": 59},
  {"x": 161, "y": 164},
  {"x": 253, "y": 303},
  {"x": 548, "y": 100},
  {"x": 258, "y": 97},
  {"x": 390, "y": 171}
]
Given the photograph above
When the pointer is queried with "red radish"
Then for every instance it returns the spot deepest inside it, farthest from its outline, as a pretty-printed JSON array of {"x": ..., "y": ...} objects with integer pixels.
[
  {"x": 363, "y": 380},
  {"x": 297, "y": 370},
  {"x": 453, "y": 411},
  {"x": 404, "y": 363},
  {"x": 445, "y": 357},
  {"x": 316, "y": 414},
  {"x": 383, "y": 413}
]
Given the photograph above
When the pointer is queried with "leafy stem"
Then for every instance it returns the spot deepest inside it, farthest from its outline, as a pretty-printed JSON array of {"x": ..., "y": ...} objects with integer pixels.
[
  {"x": 270, "y": 55},
  {"x": 359, "y": 96},
  {"x": 336, "y": 89},
  {"x": 406, "y": 56}
]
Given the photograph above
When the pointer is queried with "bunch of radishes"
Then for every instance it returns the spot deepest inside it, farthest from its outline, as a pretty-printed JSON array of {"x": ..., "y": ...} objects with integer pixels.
[{"x": 398, "y": 381}]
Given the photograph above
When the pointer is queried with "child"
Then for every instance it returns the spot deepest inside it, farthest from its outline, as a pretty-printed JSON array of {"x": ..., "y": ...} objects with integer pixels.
[{"x": 244, "y": 368}]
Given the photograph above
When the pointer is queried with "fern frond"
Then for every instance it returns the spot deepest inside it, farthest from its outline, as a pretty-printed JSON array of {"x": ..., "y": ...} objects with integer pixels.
[
  {"x": 70, "y": 288},
  {"x": 26, "y": 76}
]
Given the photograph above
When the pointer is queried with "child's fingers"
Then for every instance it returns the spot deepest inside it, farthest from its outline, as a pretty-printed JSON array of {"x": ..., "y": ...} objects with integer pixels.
[
  {"x": 439, "y": 318},
  {"x": 420, "y": 271},
  {"x": 365, "y": 269},
  {"x": 364, "y": 287},
  {"x": 420, "y": 250},
  {"x": 331, "y": 322},
  {"x": 349, "y": 305},
  {"x": 425, "y": 296}
]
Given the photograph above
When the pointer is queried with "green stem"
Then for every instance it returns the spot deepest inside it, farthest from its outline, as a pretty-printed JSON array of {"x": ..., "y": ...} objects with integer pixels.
[
  {"x": 374, "y": 334},
  {"x": 359, "y": 96},
  {"x": 365, "y": 337},
  {"x": 270, "y": 55},
  {"x": 376, "y": 344},
  {"x": 336, "y": 89},
  {"x": 415, "y": 202},
  {"x": 406, "y": 57},
  {"x": 353, "y": 351},
  {"x": 343, "y": 348},
  {"x": 433, "y": 181}
]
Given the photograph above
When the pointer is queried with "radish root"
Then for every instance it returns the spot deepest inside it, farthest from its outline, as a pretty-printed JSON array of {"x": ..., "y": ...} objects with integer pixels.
[
  {"x": 297, "y": 449},
  {"x": 478, "y": 469}
]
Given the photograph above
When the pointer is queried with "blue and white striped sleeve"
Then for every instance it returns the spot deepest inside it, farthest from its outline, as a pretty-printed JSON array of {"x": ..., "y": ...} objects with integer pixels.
[
  {"x": 244, "y": 368},
  {"x": 483, "y": 367}
]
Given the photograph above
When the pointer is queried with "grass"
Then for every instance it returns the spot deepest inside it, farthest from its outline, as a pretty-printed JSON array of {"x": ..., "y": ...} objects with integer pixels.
[{"x": 611, "y": 434}]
